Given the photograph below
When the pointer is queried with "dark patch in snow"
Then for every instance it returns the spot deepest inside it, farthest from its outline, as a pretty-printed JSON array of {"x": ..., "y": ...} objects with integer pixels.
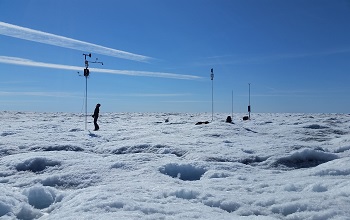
[
  {"x": 118, "y": 165},
  {"x": 147, "y": 148},
  {"x": 219, "y": 159},
  {"x": 36, "y": 165},
  {"x": 247, "y": 129},
  {"x": 93, "y": 135},
  {"x": 304, "y": 159},
  {"x": 320, "y": 133},
  {"x": 316, "y": 126},
  {"x": 59, "y": 148},
  {"x": 213, "y": 135},
  {"x": 184, "y": 172},
  {"x": 75, "y": 130},
  {"x": 5, "y": 152},
  {"x": 315, "y": 138},
  {"x": 339, "y": 132},
  {"x": 4, "y": 134},
  {"x": 253, "y": 160},
  {"x": 247, "y": 151},
  {"x": 63, "y": 148}
]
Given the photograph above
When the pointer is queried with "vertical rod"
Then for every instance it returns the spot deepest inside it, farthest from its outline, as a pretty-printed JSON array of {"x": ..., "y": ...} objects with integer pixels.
[
  {"x": 212, "y": 93},
  {"x": 85, "y": 102},
  {"x": 212, "y": 100},
  {"x": 249, "y": 100},
  {"x": 232, "y": 105}
]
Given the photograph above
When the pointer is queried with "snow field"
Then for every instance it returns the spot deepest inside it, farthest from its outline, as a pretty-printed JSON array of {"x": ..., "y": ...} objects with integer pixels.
[{"x": 275, "y": 166}]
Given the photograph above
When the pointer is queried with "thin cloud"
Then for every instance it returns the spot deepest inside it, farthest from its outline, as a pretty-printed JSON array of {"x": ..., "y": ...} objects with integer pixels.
[
  {"x": 60, "y": 41},
  {"x": 40, "y": 94},
  {"x": 26, "y": 62},
  {"x": 251, "y": 59},
  {"x": 148, "y": 74},
  {"x": 155, "y": 94}
]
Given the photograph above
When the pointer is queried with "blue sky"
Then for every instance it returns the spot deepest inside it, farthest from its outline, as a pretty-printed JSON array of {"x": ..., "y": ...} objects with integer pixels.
[{"x": 157, "y": 55}]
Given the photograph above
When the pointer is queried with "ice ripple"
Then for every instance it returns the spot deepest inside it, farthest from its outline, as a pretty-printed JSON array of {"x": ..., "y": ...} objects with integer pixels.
[
  {"x": 36, "y": 165},
  {"x": 147, "y": 148},
  {"x": 305, "y": 158}
]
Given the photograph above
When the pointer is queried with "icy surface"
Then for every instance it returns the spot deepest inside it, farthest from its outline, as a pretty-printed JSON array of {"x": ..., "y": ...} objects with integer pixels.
[{"x": 138, "y": 166}]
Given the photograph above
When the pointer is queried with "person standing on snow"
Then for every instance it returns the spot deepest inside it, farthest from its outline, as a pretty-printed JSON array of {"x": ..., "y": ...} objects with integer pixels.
[{"x": 95, "y": 116}]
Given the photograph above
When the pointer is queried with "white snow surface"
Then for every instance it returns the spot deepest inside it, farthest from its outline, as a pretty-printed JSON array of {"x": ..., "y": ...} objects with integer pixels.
[{"x": 138, "y": 166}]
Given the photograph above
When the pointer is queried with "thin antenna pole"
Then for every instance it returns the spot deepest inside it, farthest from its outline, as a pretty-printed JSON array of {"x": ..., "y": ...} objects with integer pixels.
[
  {"x": 212, "y": 94},
  {"x": 249, "y": 101},
  {"x": 232, "y": 105},
  {"x": 212, "y": 100},
  {"x": 86, "y": 90}
]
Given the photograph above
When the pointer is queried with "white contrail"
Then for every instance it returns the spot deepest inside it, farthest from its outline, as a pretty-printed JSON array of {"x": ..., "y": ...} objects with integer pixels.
[
  {"x": 26, "y": 62},
  {"x": 60, "y": 41}
]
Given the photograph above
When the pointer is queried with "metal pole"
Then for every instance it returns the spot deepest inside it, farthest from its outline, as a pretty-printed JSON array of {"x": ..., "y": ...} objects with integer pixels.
[
  {"x": 212, "y": 94},
  {"x": 212, "y": 100},
  {"x": 86, "y": 74},
  {"x": 249, "y": 101},
  {"x": 232, "y": 105},
  {"x": 86, "y": 79}
]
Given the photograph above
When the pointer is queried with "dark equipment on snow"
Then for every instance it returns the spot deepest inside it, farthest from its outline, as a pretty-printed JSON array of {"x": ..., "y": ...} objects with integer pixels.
[{"x": 202, "y": 122}]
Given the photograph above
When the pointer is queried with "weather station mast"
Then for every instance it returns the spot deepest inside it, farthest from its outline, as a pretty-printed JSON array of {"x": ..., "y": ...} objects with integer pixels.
[{"x": 86, "y": 75}]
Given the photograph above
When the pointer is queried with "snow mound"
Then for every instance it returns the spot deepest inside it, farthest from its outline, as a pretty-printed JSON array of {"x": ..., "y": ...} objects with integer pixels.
[
  {"x": 5, "y": 207},
  {"x": 185, "y": 194},
  {"x": 67, "y": 181},
  {"x": 338, "y": 167},
  {"x": 13, "y": 205},
  {"x": 28, "y": 213},
  {"x": 226, "y": 205},
  {"x": 184, "y": 172},
  {"x": 305, "y": 158},
  {"x": 36, "y": 165},
  {"x": 40, "y": 197},
  {"x": 289, "y": 208},
  {"x": 342, "y": 149}
]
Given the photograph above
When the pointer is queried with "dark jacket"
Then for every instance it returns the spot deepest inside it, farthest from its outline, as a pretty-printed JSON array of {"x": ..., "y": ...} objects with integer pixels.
[{"x": 96, "y": 112}]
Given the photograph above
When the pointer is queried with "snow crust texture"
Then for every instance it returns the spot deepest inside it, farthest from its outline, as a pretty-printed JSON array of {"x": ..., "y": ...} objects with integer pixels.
[{"x": 164, "y": 166}]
